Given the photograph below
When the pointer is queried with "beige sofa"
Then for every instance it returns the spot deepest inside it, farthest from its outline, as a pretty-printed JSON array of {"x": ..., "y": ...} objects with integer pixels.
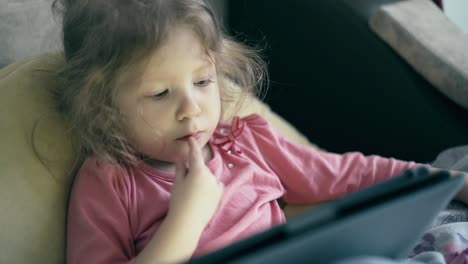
[{"x": 33, "y": 191}]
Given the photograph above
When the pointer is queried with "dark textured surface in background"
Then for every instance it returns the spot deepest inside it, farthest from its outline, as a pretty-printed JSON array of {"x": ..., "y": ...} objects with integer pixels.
[{"x": 343, "y": 87}]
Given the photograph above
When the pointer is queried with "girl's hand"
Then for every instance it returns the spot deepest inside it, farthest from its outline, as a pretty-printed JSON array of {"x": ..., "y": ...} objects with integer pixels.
[{"x": 196, "y": 191}]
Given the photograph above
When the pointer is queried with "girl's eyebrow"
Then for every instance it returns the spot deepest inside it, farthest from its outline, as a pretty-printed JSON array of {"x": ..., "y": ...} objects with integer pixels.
[{"x": 205, "y": 65}]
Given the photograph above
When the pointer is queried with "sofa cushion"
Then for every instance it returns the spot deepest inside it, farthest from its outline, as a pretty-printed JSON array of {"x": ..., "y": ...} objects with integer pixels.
[{"x": 33, "y": 191}]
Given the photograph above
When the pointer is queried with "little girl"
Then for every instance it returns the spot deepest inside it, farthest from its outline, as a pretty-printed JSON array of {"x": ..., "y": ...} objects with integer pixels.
[{"x": 163, "y": 179}]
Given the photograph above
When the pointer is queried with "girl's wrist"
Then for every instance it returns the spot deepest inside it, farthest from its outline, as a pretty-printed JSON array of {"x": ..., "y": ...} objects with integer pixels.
[{"x": 184, "y": 221}]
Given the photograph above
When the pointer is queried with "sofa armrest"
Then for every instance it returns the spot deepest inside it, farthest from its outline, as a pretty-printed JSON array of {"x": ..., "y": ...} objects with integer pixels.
[{"x": 434, "y": 46}]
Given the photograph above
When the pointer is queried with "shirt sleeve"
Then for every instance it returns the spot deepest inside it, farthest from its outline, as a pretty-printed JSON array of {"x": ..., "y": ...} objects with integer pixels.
[
  {"x": 98, "y": 228},
  {"x": 310, "y": 175}
]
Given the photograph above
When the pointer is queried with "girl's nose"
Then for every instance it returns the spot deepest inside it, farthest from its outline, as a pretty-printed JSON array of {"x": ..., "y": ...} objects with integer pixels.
[{"x": 188, "y": 108}]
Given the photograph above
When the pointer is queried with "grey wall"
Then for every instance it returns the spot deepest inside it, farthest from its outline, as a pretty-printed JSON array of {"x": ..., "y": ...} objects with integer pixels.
[
  {"x": 457, "y": 11},
  {"x": 27, "y": 28}
]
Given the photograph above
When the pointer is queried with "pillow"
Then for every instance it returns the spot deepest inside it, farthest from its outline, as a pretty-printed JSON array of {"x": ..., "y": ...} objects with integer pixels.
[
  {"x": 33, "y": 197},
  {"x": 420, "y": 33}
]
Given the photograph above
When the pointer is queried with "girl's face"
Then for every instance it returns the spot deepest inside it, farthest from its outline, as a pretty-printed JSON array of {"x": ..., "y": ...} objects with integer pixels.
[{"x": 178, "y": 96}]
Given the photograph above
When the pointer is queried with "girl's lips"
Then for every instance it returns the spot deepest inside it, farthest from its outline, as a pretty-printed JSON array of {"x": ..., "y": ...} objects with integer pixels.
[{"x": 196, "y": 136}]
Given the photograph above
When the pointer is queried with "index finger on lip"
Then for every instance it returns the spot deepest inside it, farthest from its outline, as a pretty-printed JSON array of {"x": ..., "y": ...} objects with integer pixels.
[{"x": 194, "y": 153}]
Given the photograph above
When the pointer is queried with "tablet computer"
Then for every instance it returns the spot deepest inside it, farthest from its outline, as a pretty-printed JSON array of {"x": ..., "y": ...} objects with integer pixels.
[{"x": 386, "y": 219}]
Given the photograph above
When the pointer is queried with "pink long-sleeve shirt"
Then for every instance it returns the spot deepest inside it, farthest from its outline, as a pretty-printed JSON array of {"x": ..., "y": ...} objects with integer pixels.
[{"x": 115, "y": 210}]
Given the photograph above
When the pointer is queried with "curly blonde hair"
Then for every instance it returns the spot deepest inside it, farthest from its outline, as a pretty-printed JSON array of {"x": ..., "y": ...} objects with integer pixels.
[{"x": 101, "y": 38}]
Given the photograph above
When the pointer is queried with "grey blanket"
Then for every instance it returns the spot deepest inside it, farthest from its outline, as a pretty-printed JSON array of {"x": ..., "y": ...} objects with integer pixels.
[{"x": 453, "y": 159}]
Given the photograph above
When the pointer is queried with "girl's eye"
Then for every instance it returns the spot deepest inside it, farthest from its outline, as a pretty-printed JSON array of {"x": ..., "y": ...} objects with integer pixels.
[
  {"x": 160, "y": 95},
  {"x": 203, "y": 83}
]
